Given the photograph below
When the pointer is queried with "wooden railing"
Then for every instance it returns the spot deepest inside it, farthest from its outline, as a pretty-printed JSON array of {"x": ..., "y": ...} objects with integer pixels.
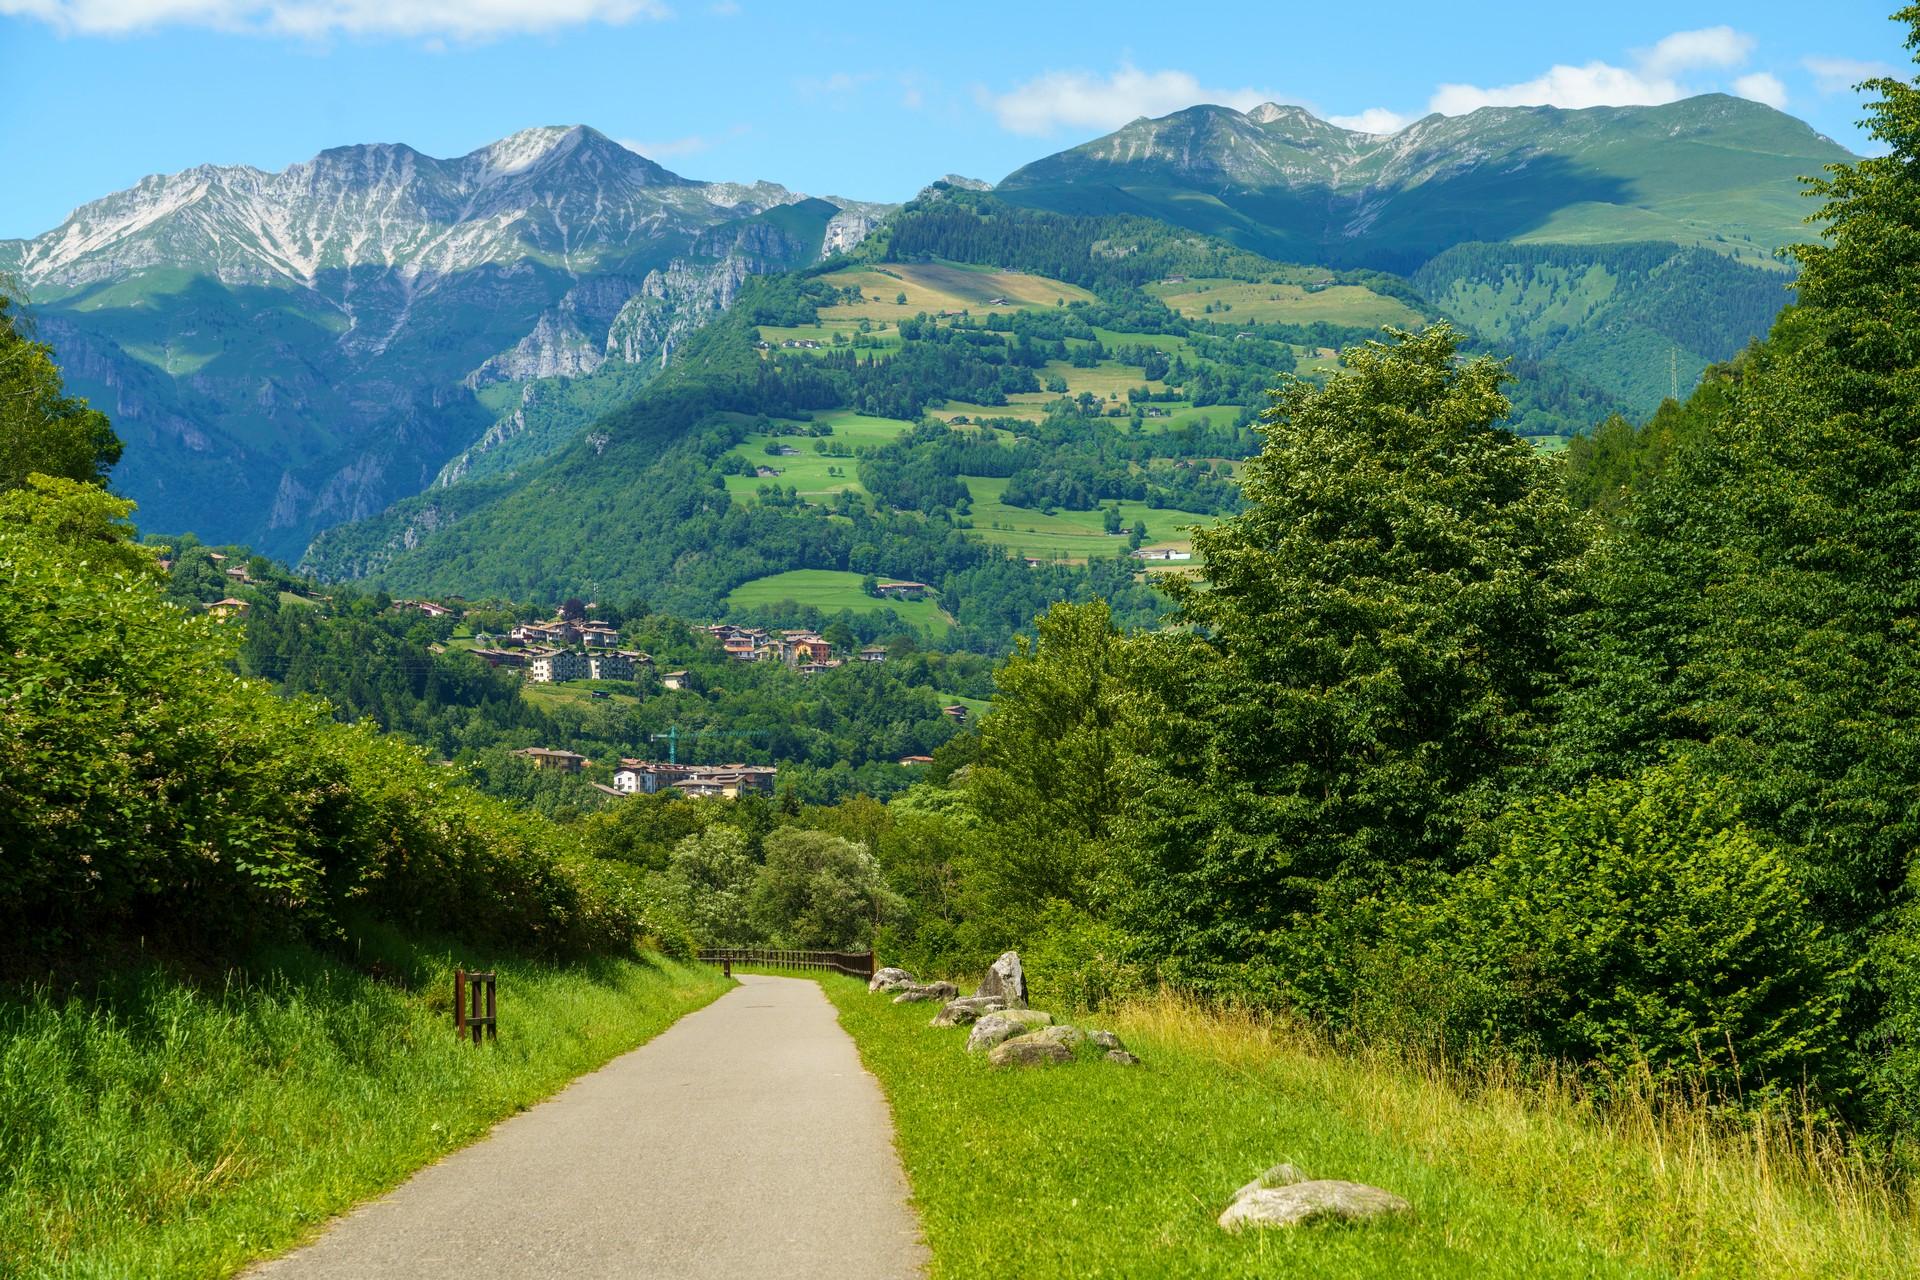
[{"x": 855, "y": 964}]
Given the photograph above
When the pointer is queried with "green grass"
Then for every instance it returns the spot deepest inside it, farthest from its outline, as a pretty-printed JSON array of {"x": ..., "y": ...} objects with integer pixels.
[
  {"x": 813, "y": 474},
  {"x": 830, "y": 591},
  {"x": 1073, "y": 534},
  {"x": 1121, "y": 1172},
  {"x": 1255, "y": 303},
  {"x": 579, "y": 693},
  {"x": 161, "y": 1129}
]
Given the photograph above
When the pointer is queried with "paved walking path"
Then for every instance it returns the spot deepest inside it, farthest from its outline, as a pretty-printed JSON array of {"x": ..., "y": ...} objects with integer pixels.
[{"x": 745, "y": 1140}]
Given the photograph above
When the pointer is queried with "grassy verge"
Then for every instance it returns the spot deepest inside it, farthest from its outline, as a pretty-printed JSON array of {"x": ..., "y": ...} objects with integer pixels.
[
  {"x": 1097, "y": 1170},
  {"x": 155, "y": 1128}
]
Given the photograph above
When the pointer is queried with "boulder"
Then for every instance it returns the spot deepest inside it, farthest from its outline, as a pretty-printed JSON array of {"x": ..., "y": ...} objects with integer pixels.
[
  {"x": 1303, "y": 1202},
  {"x": 1122, "y": 1057},
  {"x": 958, "y": 1013},
  {"x": 992, "y": 1028},
  {"x": 1007, "y": 980},
  {"x": 1281, "y": 1175},
  {"x": 889, "y": 979},
  {"x": 1029, "y": 1051},
  {"x": 913, "y": 993},
  {"x": 1065, "y": 1036},
  {"x": 1105, "y": 1040}
]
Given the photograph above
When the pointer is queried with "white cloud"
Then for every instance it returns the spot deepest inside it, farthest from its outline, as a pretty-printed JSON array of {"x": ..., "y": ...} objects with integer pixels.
[
  {"x": 458, "y": 19},
  {"x": 1079, "y": 99},
  {"x": 1763, "y": 86},
  {"x": 1838, "y": 75},
  {"x": 692, "y": 144},
  {"x": 1690, "y": 50},
  {"x": 1373, "y": 120},
  {"x": 1652, "y": 80}
]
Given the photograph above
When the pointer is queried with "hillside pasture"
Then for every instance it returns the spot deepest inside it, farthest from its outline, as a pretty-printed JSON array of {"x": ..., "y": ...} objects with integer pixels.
[
  {"x": 934, "y": 287},
  {"x": 1257, "y": 303},
  {"x": 830, "y": 591},
  {"x": 1073, "y": 535},
  {"x": 814, "y": 476}
]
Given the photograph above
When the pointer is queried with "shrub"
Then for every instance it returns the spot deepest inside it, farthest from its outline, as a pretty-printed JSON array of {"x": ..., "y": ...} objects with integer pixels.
[
  {"x": 1636, "y": 927},
  {"x": 1078, "y": 962}
]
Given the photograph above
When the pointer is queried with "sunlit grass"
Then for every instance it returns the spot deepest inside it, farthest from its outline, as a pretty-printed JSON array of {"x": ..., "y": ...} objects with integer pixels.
[
  {"x": 1121, "y": 1172},
  {"x": 156, "y": 1128}
]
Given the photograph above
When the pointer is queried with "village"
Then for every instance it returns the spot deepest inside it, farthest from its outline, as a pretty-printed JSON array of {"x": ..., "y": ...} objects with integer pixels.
[{"x": 562, "y": 649}]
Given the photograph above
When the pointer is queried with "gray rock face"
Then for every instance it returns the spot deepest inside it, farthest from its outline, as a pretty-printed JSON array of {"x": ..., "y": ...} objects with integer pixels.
[
  {"x": 889, "y": 979},
  {"x": 993, "y": 1028},
  {"x": 1302, "y": 1202},
  {"x": 1105, "y": 1040},
  {"x": 1122, "y": 1058},
  {"x": 1007, "y": 980},
  {"x": 1029, "y": 1051},
  {"x": 914, "y": 993},
  {"x": 965, "y": 1010}
]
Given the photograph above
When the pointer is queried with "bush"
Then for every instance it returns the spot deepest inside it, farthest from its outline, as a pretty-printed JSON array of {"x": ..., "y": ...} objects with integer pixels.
[
  {"x": 1077, "y": 962},
  {"x": 1636, "y": 927}
]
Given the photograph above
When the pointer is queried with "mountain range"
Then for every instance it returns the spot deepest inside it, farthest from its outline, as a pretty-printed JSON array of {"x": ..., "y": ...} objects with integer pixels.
[{"x": 288, "y": 352}]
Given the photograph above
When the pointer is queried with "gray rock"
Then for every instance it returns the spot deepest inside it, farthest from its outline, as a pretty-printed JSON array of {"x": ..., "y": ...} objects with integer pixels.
[
  {"x": 993, "y": 1028},
  {"x": 1122, "y": 1057},
  {"x": 914, "y": 993},
  {"x": 1105, "y": 1040},
  {"x": 889, "y": 979},
  {"x": 1303, "y": 1202},
  {"x": 1007, "y": 980},
  {"x": 1065, "y": 1036},
  {"x": 1029, "y": 1051},
  {"x": 1281, "y": 1175},
  {"x": 967, "y": 1009}
]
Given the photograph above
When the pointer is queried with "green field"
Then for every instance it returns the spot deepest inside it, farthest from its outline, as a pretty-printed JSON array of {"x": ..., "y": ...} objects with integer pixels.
[
  {"x": 813, "y": 474},
  {"x": 1072, "y": 534},
  {"x": 1254, "y": 303},
  {"x": 579, "y": 693},
  {"x": 830, "y": 591},
  {"x": 1122, "y": 1171}
]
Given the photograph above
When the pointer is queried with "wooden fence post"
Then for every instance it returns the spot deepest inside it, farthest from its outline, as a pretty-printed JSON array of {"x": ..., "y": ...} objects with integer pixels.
[{"x": 460, "y": 1004}]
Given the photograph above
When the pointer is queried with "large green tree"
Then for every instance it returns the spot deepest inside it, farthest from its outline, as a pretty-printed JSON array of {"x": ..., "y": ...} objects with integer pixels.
[
  {"x": 42, "y": 429},
  {"x": 1364, "y": 662}
]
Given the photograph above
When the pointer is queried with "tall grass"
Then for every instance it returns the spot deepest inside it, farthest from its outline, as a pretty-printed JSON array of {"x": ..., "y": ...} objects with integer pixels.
[
  {"x": 1121, "y": 1171},
  {"x": 154, "y": 1127},
  {"x": 1670, "y": 1182}
]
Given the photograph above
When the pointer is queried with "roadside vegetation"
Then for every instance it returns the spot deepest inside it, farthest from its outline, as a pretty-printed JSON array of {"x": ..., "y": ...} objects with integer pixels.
[
  {"x": 157, "y": 1124},
  {"x": 1121, "y": 1171}
]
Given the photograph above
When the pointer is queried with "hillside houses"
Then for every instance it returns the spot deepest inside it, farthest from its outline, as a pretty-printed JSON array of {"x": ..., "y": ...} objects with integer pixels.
[
  {"x": 1160, "y": 554},
  {"x": 554, "y": 666},
  {"x": 726, "y": 781},
  {"x": 902, "y": 590},
  {"x": 548, "y": 758},
  {"x": 805, "y": 651}
]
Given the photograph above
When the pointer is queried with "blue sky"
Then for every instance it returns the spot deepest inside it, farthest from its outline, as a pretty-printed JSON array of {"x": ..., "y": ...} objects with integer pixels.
[{"x": 867, "y": 100}]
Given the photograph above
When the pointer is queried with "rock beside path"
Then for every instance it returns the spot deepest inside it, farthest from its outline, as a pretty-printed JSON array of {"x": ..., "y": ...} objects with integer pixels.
[
  {"x": 1297, "y": 1203},
  {"x": 916, "y": 992},
  {"x": 1007, "y": 980},
  {"x": 1283, "y": 1174},
  {"x": 1105, "y": 1040},
  {"x": 890, "y": 979},
  {"x": 1122, "y": 1058},
  {"x": 993, "y": 1028},
  {"x": 967, "y": 1009},
  {"x": 1033, "y": 1050}
]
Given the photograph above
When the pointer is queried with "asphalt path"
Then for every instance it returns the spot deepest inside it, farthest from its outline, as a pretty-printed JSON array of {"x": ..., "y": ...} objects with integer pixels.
[{"x": 745, "y": 1140}]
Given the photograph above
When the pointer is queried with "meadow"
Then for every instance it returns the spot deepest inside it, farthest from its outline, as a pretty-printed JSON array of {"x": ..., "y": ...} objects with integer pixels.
[
  {"x": 157, "y": 1126},
  {"x": 830, "y": 591},
  {"x": 1074, "y": 535},
  {"x": 815, "y": 476},
  {"x": 1122, "y": 1171},
  {"x": 1254, "y": 302},
  {"x": 934, "y": 287}
]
